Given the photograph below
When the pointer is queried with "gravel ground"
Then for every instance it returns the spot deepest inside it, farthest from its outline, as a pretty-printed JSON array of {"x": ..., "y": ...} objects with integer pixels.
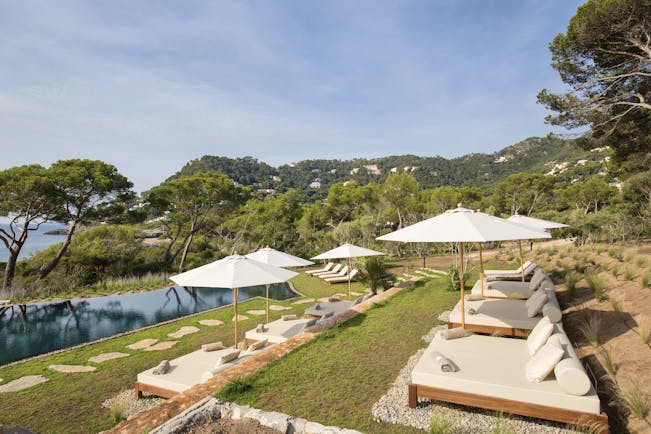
[
  {"x": 126, "y": 403},
  {"x": 393, "y": 408},
  {"x": 230, "y": 426}
]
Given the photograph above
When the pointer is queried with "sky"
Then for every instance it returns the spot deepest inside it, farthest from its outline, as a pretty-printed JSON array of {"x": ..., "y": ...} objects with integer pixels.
[{"x": 149, "y": 85}]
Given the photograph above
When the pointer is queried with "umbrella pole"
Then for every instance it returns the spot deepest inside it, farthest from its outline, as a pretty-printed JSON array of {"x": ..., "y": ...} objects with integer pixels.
[
  {"x": 462, "y": 284},
  {"x": 236, "y": 294},
  {"x": 481, "y": 270},
  {"x": 349, "y": 294},
  {"x": 521, "y": 260},
  {"x": 267, "y": 302}
]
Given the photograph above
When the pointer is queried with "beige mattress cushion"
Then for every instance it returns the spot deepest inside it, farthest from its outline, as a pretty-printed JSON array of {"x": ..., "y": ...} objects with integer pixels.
[
  {"x": 278, "y": 331},
  {"x": 504, "y": 313}
]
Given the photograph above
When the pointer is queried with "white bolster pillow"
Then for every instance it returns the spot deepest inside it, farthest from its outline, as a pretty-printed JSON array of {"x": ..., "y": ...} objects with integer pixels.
[
  {"x": 547, "y": 283},
  {"x": 571, "y": 377},
  {"x": 552, "y": 312}
]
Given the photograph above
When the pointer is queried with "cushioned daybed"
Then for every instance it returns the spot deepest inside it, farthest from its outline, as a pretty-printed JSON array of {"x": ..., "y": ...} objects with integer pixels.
[
  {"x": 187, "y": 371},
  {"x": 320, "y": 310},
  {"x": 513, "y": 289},
  {"x": 491, "y": 375},
  {"x": 506, "y": 317},
  {"x": 278, "y": 331}
]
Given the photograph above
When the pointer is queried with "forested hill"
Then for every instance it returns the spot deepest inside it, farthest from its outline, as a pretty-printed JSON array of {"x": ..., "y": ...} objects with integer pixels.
[{"x": 313, "y": 177}]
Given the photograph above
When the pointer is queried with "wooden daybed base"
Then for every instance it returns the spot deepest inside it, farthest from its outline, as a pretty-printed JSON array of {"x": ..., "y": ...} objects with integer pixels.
[
  {"x": 492, "y": 330},
  {"x": 508, "y": 406},
  {"x": 154, "y": 390}
]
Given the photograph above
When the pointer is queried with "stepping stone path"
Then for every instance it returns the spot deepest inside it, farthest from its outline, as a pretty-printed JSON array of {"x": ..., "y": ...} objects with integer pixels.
[
  {"x": 305, "y": 301},
  {"x": 161, "y": 346},
  {"x": 256, "y": 312},
  {"x": 277, "y": 307},
  {"x": 22, "y": 383},
  {"x": 240, "y": 318},
  {"x": 69, "y": 369},
  {"x": 211, "y": 322},
  {"x": 183, "y": 331},
  {"x": 142, "y": 344},
  {"x": 107, "y": 356}
]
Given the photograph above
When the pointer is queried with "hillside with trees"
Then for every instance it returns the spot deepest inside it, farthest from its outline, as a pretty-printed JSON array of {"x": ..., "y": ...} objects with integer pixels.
[{"x": 312, "y": 178}]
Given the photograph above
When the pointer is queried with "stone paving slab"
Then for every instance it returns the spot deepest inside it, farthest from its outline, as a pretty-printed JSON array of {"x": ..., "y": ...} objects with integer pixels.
[
  {"x": 69, "y": 369},
  {"x": 305, "y": 301},
  {"x": 240, "y": 318},
  {"x": 22, "y": 383},
  {"x": 148, "y": 420},
  {"x": 277, "y": 307},
  {"x": 161, "y": 346},
  {"x": 184, "y": 331},
  {"x": 142, "y": 344},
  {"x": 211, "y": 322},
  {"x": 105, "y": 357},
  {"x": 256, "y": 312}
]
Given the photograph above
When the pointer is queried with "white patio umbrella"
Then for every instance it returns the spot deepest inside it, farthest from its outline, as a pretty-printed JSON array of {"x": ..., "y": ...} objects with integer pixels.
[
  {"x": 274, "y": 257},
  {"x": 233, "y": 272},
  {"x": 533, "y": 223},
  {"x": 461, "y": 226},
  {"x": 347, "y": 251}
]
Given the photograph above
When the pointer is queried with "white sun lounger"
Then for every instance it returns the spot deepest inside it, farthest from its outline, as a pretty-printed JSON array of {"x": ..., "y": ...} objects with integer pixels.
[
  {"x": 491, "y": 375},
  {"x": 529, "y": 268},
  {"x": 186, "y": 371},
  {"x": 342, "y": 279},
  {"x": 342, "y": 272},
  {"x": 510, "y": 289},
  {"x": 325, "y": 269},
  {"x": 335, "y": 269},
  {"x": 278, "y": 331}
]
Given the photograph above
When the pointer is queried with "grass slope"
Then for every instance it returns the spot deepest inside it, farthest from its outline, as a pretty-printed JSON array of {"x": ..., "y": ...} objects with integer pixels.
[
  {"x": 336, "y": 378},
  {"x": 71, "y": 403}
]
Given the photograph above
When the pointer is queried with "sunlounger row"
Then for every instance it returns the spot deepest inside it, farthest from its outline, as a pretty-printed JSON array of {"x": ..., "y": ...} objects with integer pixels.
[{"x": 334, "y": 273}]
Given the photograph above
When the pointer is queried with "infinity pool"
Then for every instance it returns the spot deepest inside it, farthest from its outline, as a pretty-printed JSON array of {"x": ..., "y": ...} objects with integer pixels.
[{"x": 52, "y": 326}]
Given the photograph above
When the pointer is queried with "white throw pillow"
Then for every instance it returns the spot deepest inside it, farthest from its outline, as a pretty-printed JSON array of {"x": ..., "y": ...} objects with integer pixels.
[
  {"x": 543, "y": 362},
  {"x": 212, "y": 346},
  {"x": 539, "y": 335},
  {"x": 532, "y": 299},
  {"x": 571, "y": 377},
  {"x": 227, "y": 358},
  {"x": 536, "y": 306},
  {"x": 537, "y": 279},
  {"x": 288, "y": 317}
]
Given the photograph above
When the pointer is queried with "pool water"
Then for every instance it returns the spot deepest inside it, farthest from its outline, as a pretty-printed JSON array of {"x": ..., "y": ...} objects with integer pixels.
[{"x": 52, "y": 326}]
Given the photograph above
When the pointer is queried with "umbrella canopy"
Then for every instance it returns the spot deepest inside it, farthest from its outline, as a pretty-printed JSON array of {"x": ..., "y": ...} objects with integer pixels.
[
  {"x": 535, "y": 223},
  {"x": 347, "y": 251},
  {"x": 233, "y": 272},
  {"x": 276, "y": 258},
  {"x": 463, "y": 225}
]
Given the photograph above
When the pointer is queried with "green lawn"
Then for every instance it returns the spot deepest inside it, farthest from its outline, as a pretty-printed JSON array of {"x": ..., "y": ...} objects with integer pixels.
[
  {"x": 71, "y": 403},
  {"x": 336, "y": 378}
]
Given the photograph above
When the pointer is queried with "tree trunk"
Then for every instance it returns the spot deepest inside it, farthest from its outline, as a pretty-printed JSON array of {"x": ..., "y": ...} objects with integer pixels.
[
  {"x": 186, "y": 247},
  {"x": 10, "y": 269},
  {"x": 62, "y": 251}
]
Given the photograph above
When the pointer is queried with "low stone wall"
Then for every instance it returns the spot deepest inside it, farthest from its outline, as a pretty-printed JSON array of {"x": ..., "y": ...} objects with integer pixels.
[{"x": 210, "y": 409}]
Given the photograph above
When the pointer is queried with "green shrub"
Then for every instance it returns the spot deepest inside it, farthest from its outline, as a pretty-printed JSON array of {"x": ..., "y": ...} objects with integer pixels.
[
  {"x": 631, "y": 398},
  {"x": 591, "y": 329},
  {"x": 615, "y": 271},
  {"x": 629, "y": 274},
  {"x": 628, "y": 257},
  {"x": 439, "y": 423},
  {"x": 644, "y": 328},
  {"x": 571, "y": 279},
  {"x": 608, "y": 364},
  {"x": 612, "y": 252},
  {"x": 640, "y": 262},
  {"x": 644, "y": 280},
  {"x": 596, "y": 284},
  {"x": 616, "y": 303},
  {"x": 376, "y": 274},
  {"x": 235, "y": 388},
  {"x": 600, "y": 250}
]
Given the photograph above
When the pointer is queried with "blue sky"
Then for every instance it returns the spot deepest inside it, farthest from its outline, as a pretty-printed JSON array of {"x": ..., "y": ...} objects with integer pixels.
[{"x": 148, "y": 86}]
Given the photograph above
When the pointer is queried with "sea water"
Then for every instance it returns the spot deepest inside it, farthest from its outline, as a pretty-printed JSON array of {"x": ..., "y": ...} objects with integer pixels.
[{"x": 37, "y": 240}]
